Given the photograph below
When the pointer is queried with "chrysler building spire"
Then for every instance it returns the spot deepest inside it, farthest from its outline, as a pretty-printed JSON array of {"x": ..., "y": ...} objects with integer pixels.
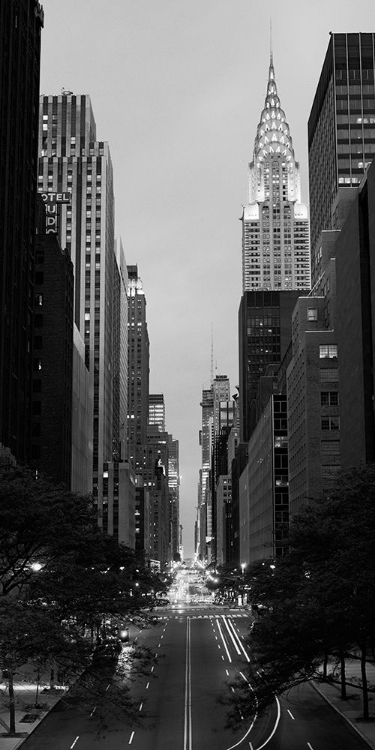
[{"x": 275, "y": 238}]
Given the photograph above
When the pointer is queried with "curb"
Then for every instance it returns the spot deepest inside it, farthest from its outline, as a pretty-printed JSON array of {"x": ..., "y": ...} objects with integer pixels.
[
  {"x": 363, "y": 736},
  {"x": 24, "y": 739}
]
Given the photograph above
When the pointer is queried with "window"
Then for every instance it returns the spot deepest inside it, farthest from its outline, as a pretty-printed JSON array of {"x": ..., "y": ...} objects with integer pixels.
[
  {"x": 330, "y": 423},
  {"x": 329, "y": 398},
  {"x": 329, "y": 375},
  {"x": 327, "y": 351},
  {"x": 330, "y": 447},
  {"x": 37, "y": 407},
  {"x": 330, "y": 472},
  {"x": 312, "y": 313}
]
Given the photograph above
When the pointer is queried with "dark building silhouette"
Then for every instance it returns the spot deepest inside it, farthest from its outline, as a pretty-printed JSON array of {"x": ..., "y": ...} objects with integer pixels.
[
  {"x": 20, "y": 36},
  {"x": 265, "y": 331},
  {"x": 52, "y": 381},
  {"x": 355, "y": 326},
  {"x": 341, "y": 127}
]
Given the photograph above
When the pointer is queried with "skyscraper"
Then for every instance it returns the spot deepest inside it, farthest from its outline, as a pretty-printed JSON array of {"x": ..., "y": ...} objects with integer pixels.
[
  {"x": 20, "y": 36},
  {"x": 156, "y": 410},
  {"x": 265, "y": 332},
  {"x": 72, "y": 160},
  {"x": 139, "y": 372},
  {"x": 341, "y": 128},
  {"x": 214, "y": 413},
  {"x": 275, "y": 224}
]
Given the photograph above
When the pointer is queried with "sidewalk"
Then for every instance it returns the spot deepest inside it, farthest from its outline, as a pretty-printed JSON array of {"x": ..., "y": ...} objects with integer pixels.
[
  {"x": 351, "y": 708},
  {"x": 27, "y": 715}
]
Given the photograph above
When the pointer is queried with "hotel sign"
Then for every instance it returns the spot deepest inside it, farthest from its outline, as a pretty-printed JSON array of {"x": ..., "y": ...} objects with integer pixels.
[{"x": 52, "y": 201}]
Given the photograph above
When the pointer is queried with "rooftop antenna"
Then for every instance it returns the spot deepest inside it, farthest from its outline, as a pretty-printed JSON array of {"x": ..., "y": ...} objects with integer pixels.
[{"x": 271, "y": 46}]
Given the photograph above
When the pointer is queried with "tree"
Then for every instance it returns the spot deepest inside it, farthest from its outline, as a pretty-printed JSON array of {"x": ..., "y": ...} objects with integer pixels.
[
  {"x": 40, "y": 523},
  {"x": 66, "y": 587},
  {"x": 29, "y": 633},
  {"x": 317, "y": 601}
]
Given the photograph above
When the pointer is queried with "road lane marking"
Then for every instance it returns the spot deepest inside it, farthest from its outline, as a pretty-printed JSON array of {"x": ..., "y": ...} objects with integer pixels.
[
  {"x": 231, "y": 635},
  {"x": 152, "y": 669},
  {"x": 93, "y": 711},
  {"x": 131, "y": 738},
  {"x": 77, "y": 738},
  {"x": 225, "y": 645},
  {"x": 227, "y": 673},
  {"x": 310, "y": 746},
  {"x": 147, "y": 686},
  {"x": 140, "y": 707},
  {"x": 238, "y": 640},
  {"x": 188, "y": 742},
  {"x": 276, "y": 724},
  {"x": 290, "y": 714}
]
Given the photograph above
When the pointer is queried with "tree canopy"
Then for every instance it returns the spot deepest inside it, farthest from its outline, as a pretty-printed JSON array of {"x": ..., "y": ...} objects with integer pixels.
[
  {"x": 66, "y": 588},
  {"x": 316, "y": 602}
]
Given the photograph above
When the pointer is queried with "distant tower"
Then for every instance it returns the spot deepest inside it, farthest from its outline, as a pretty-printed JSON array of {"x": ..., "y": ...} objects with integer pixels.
[
  {"x": 275, "y": 224},
  {"x": 139, "y": 370}
]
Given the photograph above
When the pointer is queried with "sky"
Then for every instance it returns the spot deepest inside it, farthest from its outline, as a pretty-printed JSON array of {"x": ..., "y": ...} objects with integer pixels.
[{"x": 177, "y": 88}]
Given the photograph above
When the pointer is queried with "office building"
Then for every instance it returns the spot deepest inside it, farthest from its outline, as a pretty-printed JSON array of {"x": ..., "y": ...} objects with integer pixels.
[
  {"x": 174, "y": 496},
  {"x": 52, "y": 383},
  {"x": 275, "y": 223},
  {"x": 20, "y": 38},
  {"x": 264, "y": 502},
  {"x": 341, "y": 127},
  {"x": 265, "y": 330},
  {"x": 138, "y": 373},
  {"x": 74, "y": 163},
  {"x": 156, "y": 410}
]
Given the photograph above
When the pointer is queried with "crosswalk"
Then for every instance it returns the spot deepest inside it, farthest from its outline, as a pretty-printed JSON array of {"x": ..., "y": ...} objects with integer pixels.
[{"x": 199, "y": 617}]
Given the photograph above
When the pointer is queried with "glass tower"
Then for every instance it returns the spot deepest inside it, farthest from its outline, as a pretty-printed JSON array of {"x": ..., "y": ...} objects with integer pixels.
[{"x": 275, "y": 224}]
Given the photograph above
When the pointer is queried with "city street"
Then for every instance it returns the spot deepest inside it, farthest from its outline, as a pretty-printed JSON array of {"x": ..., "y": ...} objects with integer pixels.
[{"x": 197, "y": 650}]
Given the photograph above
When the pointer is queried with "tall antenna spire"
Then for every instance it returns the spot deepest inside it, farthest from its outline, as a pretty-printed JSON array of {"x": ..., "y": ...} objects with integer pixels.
[
  {"x": 212, "y": 353},
  {"x": 271, "y": 47}
]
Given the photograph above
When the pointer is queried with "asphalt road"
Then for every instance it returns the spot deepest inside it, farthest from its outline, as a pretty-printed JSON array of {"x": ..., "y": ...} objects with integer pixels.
[{"x": 195, "y": 652}]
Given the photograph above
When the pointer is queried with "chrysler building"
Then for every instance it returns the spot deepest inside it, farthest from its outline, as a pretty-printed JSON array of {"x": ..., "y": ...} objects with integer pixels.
[{"x": 275, "y": 223}]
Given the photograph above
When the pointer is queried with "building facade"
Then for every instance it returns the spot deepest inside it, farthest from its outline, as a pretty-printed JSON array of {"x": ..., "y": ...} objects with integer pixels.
[
  {"x": 73, "y": 162},
  {"x": 20, "y": 38},
  {"x": 138, "y": 373},
  {"x": 52, "y": 397},
  {"x": 275, "y": 223},
  {"x": 264, "y": 501},
  {"x": 265, "y": 330},
  {"x": 341, "y": 127}
]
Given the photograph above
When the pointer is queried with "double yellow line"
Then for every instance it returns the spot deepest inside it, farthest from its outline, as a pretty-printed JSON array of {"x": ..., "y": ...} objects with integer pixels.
[{"x": 188, "y": 740}]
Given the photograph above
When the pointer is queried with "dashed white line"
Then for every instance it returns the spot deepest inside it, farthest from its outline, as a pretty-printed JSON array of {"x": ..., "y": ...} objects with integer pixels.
[
  {"x": 147, "y": 686},
  {"x": 310, "y": 746},
  {"x": 152, "y": 669},
  {"x": 93, "y": 711},
  {"x": 77, "y": 738},
  {"x": 140, "y": 707},
  {"x": 290, "y": 714},
  {"x": 131, "y": 738},
  {"x": 227, "y": 673}
]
